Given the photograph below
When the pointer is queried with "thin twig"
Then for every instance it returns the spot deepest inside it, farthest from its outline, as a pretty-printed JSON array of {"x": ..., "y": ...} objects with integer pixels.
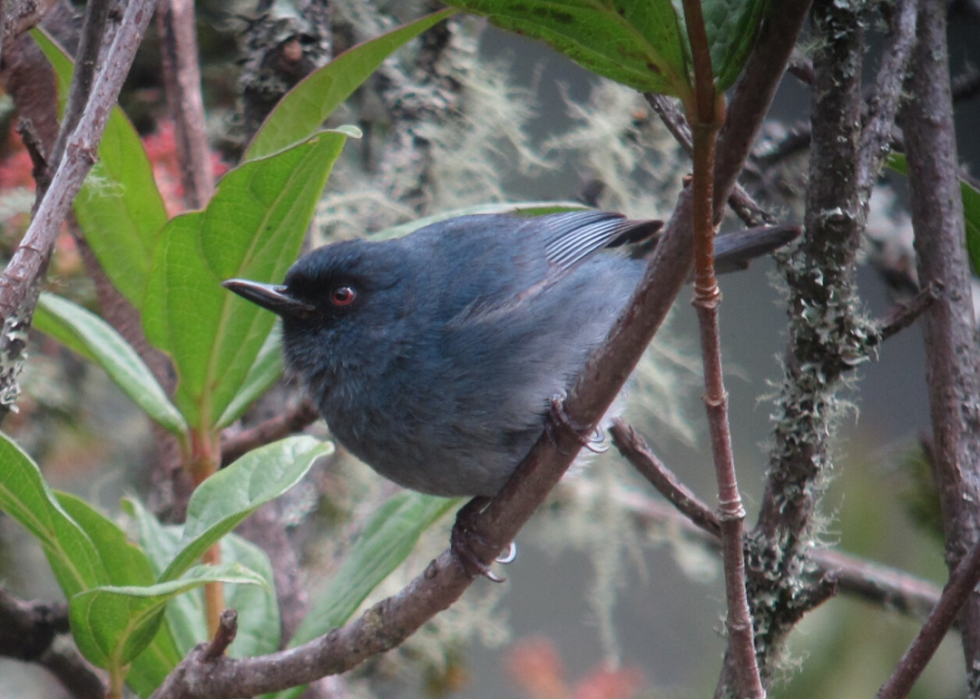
[
  {"x": 706, "y": 114},
  {"x": 634, "y": 448},
  {"x": 958, "y": 590},
  {"x": 902, "y": 315},
  {"x": 293, "y": 420},
  {"x": 744, "y": 206},
  {"x": 873, "y": 582},
  {"x": 94, "y": 37},
  {"x": 27, "y": 633},
  {"x": 883, "y": 105},
  {"x": 182, "y": 79},
  {"x": 223, "y": 637}
]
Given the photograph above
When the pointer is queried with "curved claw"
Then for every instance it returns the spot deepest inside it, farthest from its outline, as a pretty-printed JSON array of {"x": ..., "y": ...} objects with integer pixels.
[
  {"x": 508, "y": 556},
  {"x": 462, "y": 536},
  {"x": 558, "y": 417},
  {"x": 595, "y": 444}
]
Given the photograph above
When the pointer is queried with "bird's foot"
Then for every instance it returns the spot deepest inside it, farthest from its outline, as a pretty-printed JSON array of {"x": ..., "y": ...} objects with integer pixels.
[
  {"x": 463, "y": 538},
  {"x": 558, "y": 418}
]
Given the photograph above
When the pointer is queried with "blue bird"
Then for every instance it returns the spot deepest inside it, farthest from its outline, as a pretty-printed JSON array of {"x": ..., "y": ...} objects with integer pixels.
[{"x": 434, "y": 357}]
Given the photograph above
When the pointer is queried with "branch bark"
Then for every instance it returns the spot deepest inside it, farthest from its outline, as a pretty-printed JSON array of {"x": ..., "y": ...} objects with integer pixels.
[
  {"x": 182, "y": 80},
  {"x": 952, "y": 360}
]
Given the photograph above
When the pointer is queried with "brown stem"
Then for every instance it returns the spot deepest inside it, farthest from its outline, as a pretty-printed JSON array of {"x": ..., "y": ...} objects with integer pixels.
[
  {"x": 182, "y": 79},
  {"x": 202, "y": 463},
  {"x": 951, "y": 341},
  {"x": 293, "y": 420},
  {"x": 93, "y": 38},
  {"x": 706, "y": 113},
  {"x": 958, "y": 590},
  {"x": 744, "y": 206},
  {"x": 632, "y": 446},
  {"x": 224, "y": 636}
]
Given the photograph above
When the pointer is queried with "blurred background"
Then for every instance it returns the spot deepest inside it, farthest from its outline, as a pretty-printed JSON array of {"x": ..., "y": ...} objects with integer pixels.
[{"x": 598, "y": 604}]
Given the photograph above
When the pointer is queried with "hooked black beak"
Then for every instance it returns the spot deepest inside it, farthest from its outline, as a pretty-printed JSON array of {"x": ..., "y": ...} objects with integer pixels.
[{"x": 272, "y": 297}]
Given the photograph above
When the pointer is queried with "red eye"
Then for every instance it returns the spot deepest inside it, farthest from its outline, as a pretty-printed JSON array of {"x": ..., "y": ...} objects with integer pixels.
[{"x": 343, "y": 296}]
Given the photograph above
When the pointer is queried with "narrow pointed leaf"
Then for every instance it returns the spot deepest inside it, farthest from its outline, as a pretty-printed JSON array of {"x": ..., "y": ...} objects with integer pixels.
[
  {"x": 232, "y": 494},
  {"x": 81, "y": 330},
  {"x": 25, "y": 496},
  {"x": 119, "y": 208},
  {"x": 305, "y": 108},
  {"x": 253, "y": 227},
  {"x": 112, "y": 625},
  {"x": 386, "y": 541}
]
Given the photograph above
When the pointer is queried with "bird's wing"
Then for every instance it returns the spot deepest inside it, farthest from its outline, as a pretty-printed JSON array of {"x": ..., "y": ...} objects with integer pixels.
[
  {"x": 547, "y": 249},
  {"x": 572, "y": 237}
]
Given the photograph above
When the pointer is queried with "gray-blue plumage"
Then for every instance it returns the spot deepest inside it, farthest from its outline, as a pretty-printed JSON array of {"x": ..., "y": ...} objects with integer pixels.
[
  {"x": 434, "y": 357},
  {"x": 441, "y": 375}
]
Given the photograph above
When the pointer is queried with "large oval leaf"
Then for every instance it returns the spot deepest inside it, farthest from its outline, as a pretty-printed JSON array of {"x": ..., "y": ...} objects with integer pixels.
[
  {"x": 305, "y": 108},
  {"x": 112, "y": 625},
  {"x": 119, "y": 208},
  {"x": 253, "y": 227},
  {"x": 233, "y": 493},
  {"x": 25, "y": 496}
]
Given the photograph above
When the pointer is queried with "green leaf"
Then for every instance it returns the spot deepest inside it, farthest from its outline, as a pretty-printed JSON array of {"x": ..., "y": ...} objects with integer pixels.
[
  {"x": 92, "y": 337},
  {"x": 112, "y": 625},
  {"x": 160, "y": 542},
  {"x": 26, "y": 497},
  {"x": 225, "y": 499},
  {"x": 971, "y": 216},
  {"x": 305, "y": 108},
  {"x": 253, "y": 227},
  {"x": 264, "y": 372},
  {"x": 386, "y": 541},
  {"x": 126, "y": 565},
  {"x": 119, "y": 208},
  {"x": 731, "y": 26},
  {"x": 971, "y": 210},
  {"x": 639, "y": 43},
  {"x": 259, "y": 625}
]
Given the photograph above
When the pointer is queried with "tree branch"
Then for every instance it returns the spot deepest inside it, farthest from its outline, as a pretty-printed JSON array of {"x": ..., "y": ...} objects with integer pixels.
[
  {"x": 28, "y": 631},
  {"x": 21, "y": 280},
  {"x": 958, "y": 590},
  {"x": 182, "y": 79},
  {"x": 872, "y": 582},
  {"x": 952, "y": 361}
]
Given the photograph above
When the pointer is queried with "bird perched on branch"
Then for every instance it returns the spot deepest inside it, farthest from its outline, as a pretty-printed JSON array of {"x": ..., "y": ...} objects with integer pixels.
[{"x": 434, "y": 357}]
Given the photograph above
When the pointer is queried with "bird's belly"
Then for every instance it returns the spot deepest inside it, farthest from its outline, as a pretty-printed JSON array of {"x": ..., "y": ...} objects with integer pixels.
[{"x": 426, "y": 457}]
